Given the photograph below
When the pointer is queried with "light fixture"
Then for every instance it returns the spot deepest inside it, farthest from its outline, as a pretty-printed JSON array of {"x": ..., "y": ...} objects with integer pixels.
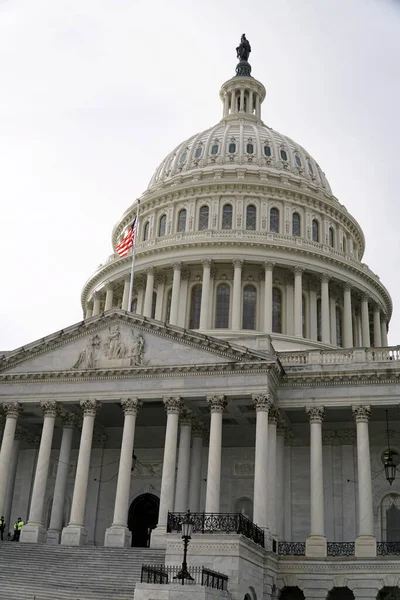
[
  {"x": 187, "y": 528},
  {"x": 134, "y": 459},
  {"x": 389, "y": 466}
]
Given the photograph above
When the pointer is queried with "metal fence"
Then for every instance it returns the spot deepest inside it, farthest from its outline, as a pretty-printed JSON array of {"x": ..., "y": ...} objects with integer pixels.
[
  {"x": 169, "y": 574},
  {"x": 388, "y": 548}
]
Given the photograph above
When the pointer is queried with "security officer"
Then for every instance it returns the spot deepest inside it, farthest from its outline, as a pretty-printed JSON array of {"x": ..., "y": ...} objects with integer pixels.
[
  {"x": 17, "y": 529},
  {"x": 2, "y": 527}
]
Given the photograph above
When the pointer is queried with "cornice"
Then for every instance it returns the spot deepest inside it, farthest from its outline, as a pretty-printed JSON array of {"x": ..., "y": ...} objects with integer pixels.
[{"x": 341, "y": 378}]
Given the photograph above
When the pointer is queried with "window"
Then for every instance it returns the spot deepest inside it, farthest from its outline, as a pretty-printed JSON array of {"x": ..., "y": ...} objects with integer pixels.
[
  {"x": 339, "y": 339},
  {"x": 274, "y": 220},
  {"x": 146, "y": 231},
  {"x": 195, "y": 306},
  {"x": 134, "y": 305},
  {"x": 162, "y": 225},
  {"x": 319, "y": 320},
  {"x": 331, "y": 237},
  {"x": 267, "y": 151},
  {"x": 251, "y": 217},
  {"x": 168, "y": 311},
  {"x": 296, "y": 224},
  {"x": 214, "y": 149},
  {"x": 153, "y": 305},
  {"x": 250, "y": 148},
  {"x": 203, "y": 218},
  {"x": 315, "y": 230},
  {"x": 298, "y": 160},
  {"x": 344, "y": 244},
  {"x": 276, "y": 310},
  {"x": 222, "y": 306},
  {"x": 198, "y": 152},
  {"x": 182, "y": 220},
  {"x": 182, "y": 158},
  {"x": 232, "y": 148},
  {"x": 227, "y": 216},
  {"x": 249, "y": 307},
  {"x": 390, "y": 515},
  {"x": 283, "y": 154},
  {"x": 310, "y": 168},
  {"x": 303, "y": 316}
]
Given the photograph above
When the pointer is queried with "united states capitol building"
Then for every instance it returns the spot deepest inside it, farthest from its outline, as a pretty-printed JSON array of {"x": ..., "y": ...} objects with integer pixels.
[{"x": 250, "y": 380}]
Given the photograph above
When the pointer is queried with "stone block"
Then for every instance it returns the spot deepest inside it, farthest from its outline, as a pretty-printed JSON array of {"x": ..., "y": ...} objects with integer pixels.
[
  {"x": 316, "y": 546},
  {"x": 365, "y": 546},
  {"x": 33, "y": 534},
  {"x": 74, "y": 535},
  {"x": 118, "y": 537}
]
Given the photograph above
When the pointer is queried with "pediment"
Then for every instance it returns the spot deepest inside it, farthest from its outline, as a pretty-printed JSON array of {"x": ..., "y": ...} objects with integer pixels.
[{"x": 119, "y": 340}]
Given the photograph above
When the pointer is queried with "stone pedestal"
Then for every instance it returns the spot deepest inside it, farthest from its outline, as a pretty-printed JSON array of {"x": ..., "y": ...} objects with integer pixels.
[
  {"x": 158, "y": 537},
  {"x": 53, "y": 537},
  {"x": 118, "y": 536},
  {"x": 34, "y": 533},
  {"x": 74, "y": 535},
  {"x": 365, "y": 546},
  {"x": 316, "y": 546}
]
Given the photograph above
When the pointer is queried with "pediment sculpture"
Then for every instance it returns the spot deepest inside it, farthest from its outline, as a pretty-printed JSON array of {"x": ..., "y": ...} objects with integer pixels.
[{"x": 112, "y": 350}]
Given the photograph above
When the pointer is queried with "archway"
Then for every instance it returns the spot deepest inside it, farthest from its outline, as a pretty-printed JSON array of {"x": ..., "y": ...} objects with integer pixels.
[
  {"x": 389, "y": 593},
  {"x": 142, "y": 518},
  {"x": 291, "y": 593},
  {"x": 340, "y": 593}
]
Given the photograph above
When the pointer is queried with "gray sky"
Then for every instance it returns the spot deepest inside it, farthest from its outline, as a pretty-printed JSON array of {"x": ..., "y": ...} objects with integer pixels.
[{"x": 94, "y": 93}]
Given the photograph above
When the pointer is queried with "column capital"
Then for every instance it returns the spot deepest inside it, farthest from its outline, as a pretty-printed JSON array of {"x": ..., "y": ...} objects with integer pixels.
[
  {"x": 99, "y": 440},
  {"x": 315, "y": 413},
  {"x": 346, "y": 286},
  {"x": 269, "y": 266},
  {"x": 262, "y": 402},
  {"x": 207, "y": 263},
  {"x": 150, "y": 270},
  {"x": 127, "y": 279},
  {"x": 281, "y": 428},
  {"x": 173, "y": 404},
  {"x": 69, "y": 420},
  {"x": 131, "y": 406},
  {"x": 217, "y": 403},
  {"x": 185, "y": 417},
  {"x": 20, "y": 433},
  {"x": 298, "y": 270},
  {"x": 185, "y": 274},
  {"x": 160, "y": 278},
  {"x": 237, "y": 263},
  {"x": 361, "y": 413},
  {"x": 50, "y": 408},
  {"x": 109, "y": 286},
  {"x": 177, "y": 266},
  {"x": 96, "y": 295},
  {"x": 325, "y": 278},
  {"x": 12, "y": 410},
  {"x": 198, "y": 429},
  {"x": 90, "y": 407},
  {"x": 274, "y": 416},
  {"x": 364, "y": 298}
]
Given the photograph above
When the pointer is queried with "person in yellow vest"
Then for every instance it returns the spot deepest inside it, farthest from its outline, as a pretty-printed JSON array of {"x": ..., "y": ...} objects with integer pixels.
[
  {"x": 2, "y": 527},
  {"x": 18, "y": 525}
]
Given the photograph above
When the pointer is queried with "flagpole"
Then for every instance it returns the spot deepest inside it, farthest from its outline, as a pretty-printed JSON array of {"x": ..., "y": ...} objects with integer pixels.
[{"x": 133, "y": 258}]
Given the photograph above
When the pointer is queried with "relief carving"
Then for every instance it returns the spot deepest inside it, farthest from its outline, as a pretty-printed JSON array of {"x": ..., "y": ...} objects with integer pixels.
[{"x": 111, "y": 351}]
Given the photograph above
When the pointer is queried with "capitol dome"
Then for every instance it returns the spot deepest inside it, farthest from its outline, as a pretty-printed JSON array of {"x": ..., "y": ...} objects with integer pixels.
[{"x": 241, "y": 238}]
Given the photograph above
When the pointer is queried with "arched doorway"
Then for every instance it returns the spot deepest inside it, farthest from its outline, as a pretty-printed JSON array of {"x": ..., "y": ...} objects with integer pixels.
[
  {"x": 389, "y": 593},
  {"x": 340, "y": 593},
  {"x": 142, "y": 518},
  {"x": 291, "y": 593}
]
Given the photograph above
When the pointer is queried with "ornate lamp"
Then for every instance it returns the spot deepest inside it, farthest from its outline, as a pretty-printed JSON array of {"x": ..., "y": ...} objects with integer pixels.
[
  {"x": 134, "y": 459},
  {"x": 187, "y": 527},
  {"x": 389, "y": 466}
]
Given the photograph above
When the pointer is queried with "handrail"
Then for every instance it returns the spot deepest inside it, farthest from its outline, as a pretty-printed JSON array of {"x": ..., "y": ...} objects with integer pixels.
[{"x": 165, "y": 574}]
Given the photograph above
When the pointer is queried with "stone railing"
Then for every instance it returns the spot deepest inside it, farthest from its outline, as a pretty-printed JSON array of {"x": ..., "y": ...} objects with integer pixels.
[{"x": 340, "y": 356}]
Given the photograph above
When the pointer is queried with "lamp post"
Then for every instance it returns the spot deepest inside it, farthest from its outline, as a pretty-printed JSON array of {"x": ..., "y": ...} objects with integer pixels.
[
  {"x": 389, "y": 466},
  {"x": 187, "y": 526}
]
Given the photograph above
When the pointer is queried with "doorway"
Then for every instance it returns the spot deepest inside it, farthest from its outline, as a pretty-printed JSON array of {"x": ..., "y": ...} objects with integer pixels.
[{"x": 142, "y": 518}]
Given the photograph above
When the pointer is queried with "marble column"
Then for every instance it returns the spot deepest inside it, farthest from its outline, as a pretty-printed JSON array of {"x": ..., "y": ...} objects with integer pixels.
[
  {"x": 148, "y": 296},
  {"x": 325, "y": 318},
  {"x": 109, "y": 296},
  {"x": 365, "y": 542},
  {"x": 125, "y": 295},
  {"x": 377, "y": 328},
  {"x": 217, "y": 404},
  {"x": 196, "y": 457},
  {"x": 118, "y": 535},
  {"x": 366, "y": 342},
  {"x": 160, "y": 283},
  {"x": 298, "y": 302},
  {"x": 75, "y": 534},
  {"x": 273, "y": 419},
  {"x": 205, "y": 295},
  {"x": 176, "y": 288},
  {"x": 89, "y": 311},
  {"x": 313, "y": 312},
  {"x": 333, "y": 321},
  {"x": 269, "y": 268},
  {"x": 96, "y": 304},
  {"x": 384, "y": 332},
  {"x": 237, "y": 293},
  {"x": 347, "y": 320},
  {"x": 182, "y": 476},
  {"x": 19, "y": 435},
  {"x": 262, "y": 404},
  {"x": 173, "y": 406},
  {"x": 34, "y": 531},
  {"x": 280, "y": 484},
  {"x": 11, "y": 410},
  {"x": 69, "y": 422},
  {"x": 316, "y": 541}
]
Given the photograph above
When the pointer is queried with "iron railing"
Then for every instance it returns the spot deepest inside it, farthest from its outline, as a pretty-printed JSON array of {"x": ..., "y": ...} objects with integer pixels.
[
  {"x": 291, "y": 548},
  {"x": 169, "y": 574},
  {"x": 388, "y": 548},
  {"x": 218, "y": 523},
  {"x": 340, "y": 548}
]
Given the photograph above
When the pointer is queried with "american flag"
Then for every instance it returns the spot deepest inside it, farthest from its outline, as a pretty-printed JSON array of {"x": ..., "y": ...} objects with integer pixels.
[{"x": 128, "y": 241}]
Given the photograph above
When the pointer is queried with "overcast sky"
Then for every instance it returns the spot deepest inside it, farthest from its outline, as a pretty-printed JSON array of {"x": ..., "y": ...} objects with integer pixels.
[{"x": 94, "y": 93}]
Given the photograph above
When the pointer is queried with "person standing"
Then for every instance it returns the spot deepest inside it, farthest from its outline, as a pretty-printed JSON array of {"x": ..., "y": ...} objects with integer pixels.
[
  {"x": 2, "y": 528},
  {"x": 19, "y": 523}
]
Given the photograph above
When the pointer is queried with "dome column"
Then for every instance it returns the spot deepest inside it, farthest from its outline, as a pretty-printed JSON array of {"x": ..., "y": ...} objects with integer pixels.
[
  {"x": 148, "y": 297},
  {"x": 205, "y": 295},
  {"x": 125, "y": 295},
  {"x": 96, "y": 304},
  {"x": 377, "y": 328},
  {"x": 109, "y": 296},
  {"x": 226, "y": 105},
  {"x": 384, "y": 332},
  {"x": 298, "y": 302},
  {"x": 348, "y": 321},
  {"x": 89, "y": 311},
  {"x": 160, "y": 281},
  {"x": 269, "y": 267},
  {"x": 176, "y": 288},
  {"x": 325, "y": 319},
  {"x": 366, "y": 342},
  {"x": 217, "y": 406},
  {"x": 237, "y": 293}
]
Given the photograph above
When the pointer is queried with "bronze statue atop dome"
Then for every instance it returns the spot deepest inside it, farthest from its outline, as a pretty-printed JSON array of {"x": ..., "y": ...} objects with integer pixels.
[{"x": 244, "y": 49}]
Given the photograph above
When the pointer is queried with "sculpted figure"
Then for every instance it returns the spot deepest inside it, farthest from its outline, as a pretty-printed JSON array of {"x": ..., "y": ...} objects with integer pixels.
[
  {"x": 244, "y": 49},
  {"x": 115, "y": 348},
  {"x": 137, "y": 349},
  {"x": 88, "y": 357}
]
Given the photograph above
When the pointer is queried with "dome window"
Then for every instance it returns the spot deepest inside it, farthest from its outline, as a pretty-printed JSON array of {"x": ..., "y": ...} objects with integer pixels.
[
  {"x": 251, "y": 217},
  {"x": 182, "y": 220},
  {"x": 162, "y": 226},
  {"x": 232, "y": 148},
  {"x": 214, "y": 149},
  {"x": 203, "y": 218},
  {"x": 249, "y": 307},
  {"x": 222, "y": 306},
  {"x": 195, "y": 306},
  {"x": 198, "y": 152},
  {"x": 182, "y": 158},
  {"x": 250, "y": 148},
  {"x": 315, "y": 230},
  {"x": 227, "y": 213},
  {"x": 331, "y": 237},
  {"x": 310, "y": 167},
  {"x": 267, "y": 151},
  {"x": 274, "y": 220},
  {"x": 283, "y": 154},
  {"x": 146, "y": 231},
  {"x": 296, "y": 224},
  {"x": 298, "y": 160},
  {"x": 276, "y": 310}
]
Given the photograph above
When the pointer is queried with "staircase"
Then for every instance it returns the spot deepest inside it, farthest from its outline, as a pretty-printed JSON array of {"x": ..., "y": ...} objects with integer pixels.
[{"x": 40, "y": 572}]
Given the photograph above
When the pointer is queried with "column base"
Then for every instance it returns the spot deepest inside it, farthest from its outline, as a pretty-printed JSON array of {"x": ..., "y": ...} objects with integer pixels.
[
  {"x": 74, "y": 535},
  {"x": 365, "y": 546},
  {"x": 316, "y": 546},
  {"x": 118, "y": 536},
  {"x": 158, "y": 537},
  {"x": 53, "y": 537},
  {"x": 33, "y": 534}
]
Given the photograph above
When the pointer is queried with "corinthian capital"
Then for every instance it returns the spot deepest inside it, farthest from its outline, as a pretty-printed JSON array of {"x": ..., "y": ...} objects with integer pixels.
[
  {"x": 50, "y": 408},
  {"x": 274, "y": 416},
  {"x": 207, "y": 263},
  {"x": 198, "y": 429},
  {"x": 217, "y": 403},
  {"x": 12, "y": 410},
  {"x": 262, "y": 402},
  {"x": 361, "y": 413},
  {"x": 237, "y": 263},
  {"x": 315, "y": 413},
  {"x": 69, "y": 420},
  {"x": 173, "y": 404},
  {"x": 90, "y": 407},
  {"x": 298, "y": 270},
  {"x": 185, "y": 417},
  {"x": 131, "y": 406}
]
